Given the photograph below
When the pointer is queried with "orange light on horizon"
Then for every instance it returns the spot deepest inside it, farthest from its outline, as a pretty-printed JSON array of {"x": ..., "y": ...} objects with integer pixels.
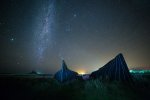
[{"x": 81, "y": 72}]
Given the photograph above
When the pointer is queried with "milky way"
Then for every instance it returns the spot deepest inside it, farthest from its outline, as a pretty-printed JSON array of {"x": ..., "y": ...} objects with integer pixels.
[
  {"x": 43, "y": 37},
  {"x": 35, "y": 34}
]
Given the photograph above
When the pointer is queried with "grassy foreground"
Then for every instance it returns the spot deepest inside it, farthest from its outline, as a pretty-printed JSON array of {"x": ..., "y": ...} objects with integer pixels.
[{"x": 15, "y": 88}]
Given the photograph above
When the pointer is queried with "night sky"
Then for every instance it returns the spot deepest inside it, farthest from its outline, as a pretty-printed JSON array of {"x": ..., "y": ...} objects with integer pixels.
[{"x": 38, "y": 34}]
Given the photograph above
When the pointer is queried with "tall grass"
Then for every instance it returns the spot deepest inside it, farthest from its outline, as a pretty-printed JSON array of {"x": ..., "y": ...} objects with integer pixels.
[
  {"x": 47, "y": 89},
  {"x": 99, "y": 90}
]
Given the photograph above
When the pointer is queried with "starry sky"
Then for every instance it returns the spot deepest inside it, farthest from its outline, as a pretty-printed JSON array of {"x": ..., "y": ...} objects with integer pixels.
[{"x": 38, "y": 34}]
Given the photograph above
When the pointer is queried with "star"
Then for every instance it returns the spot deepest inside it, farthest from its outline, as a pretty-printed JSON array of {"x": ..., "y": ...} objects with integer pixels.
[
  {"x": 12, "y": 39},
  {"x": 74, "y": 15},
  {"x": 18, "y": 63}
]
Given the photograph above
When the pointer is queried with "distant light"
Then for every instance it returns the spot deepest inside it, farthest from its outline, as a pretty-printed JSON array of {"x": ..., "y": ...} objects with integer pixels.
[
  {"x": 81, "y": 72},
  {"x": 131, "y": 71},
  {"x": 140, "y": 71},
  {"x": 39, "y": 73}
]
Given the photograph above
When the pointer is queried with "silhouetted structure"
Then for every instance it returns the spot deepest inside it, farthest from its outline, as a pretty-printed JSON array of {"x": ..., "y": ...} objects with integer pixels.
[
  {"x": 34, "y": 72},
  {"x": 65, "y": 74},
  {"x": 116, "y": 69}
]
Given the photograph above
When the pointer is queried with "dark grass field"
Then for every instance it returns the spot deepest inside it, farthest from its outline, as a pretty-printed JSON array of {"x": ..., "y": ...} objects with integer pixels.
[{"x": 45, "y": 88}]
